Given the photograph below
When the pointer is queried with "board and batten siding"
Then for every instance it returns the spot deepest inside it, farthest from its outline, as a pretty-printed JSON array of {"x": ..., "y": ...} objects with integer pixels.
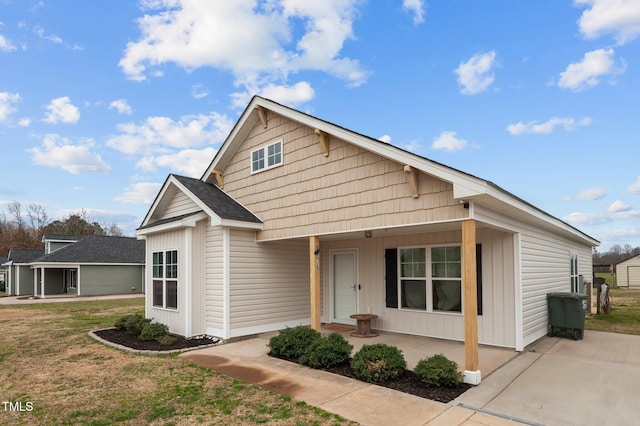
[
  {"x": 171, "y": 240},
  {"x": 544, "y": 268},
  {"x": 351, "y": 189},
  {"x": 495, "y": 326},
  {"x": 214, "y": 278},
  {"x": 179, "y": 205},
  {"x": 269, "y": 283}
]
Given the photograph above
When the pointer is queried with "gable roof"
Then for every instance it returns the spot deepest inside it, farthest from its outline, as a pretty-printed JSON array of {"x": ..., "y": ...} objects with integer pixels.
[
  {"x": 61, "y": 238},
  {"x": 466, "y": 187},
  {"x": 98, "y": 249},
  {"x": 24, "y": 255},
  {"x": 221, "y": 208}
]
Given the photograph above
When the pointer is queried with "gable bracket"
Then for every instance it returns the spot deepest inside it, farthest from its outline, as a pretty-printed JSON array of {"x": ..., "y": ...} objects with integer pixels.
[
  {"x": 262, "y": 113},
  {"x": 412, "y": 178},
  {"x": 219, "y": 178},
  {"x": 323, "y": 139}
]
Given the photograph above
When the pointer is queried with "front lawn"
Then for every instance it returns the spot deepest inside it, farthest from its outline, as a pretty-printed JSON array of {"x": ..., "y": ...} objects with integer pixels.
[{"x": 48, "y": 361}]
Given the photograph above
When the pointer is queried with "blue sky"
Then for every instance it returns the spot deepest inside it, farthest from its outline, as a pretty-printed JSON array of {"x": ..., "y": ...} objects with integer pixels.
[{"x": 100, "y": 100}]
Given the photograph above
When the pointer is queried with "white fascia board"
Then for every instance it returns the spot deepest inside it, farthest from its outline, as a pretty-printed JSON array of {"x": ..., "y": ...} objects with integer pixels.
[
  {"x": 53, "y": 265},
  {"x": 187, "y": 222},
  {"x": 230, "y": 223}
]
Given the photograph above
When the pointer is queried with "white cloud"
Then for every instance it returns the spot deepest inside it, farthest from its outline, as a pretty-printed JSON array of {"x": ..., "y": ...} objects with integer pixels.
[
  {"x": 588, "y": 72},
  {"x": 535, "y": 127},
  {"x": 162, "y": 135},
  {"x": 140, "y": 193},
  {"x": 198, "y": 91},
  {"x": 619, "y": 206},
  {"x": 121, "y": 106},
  {"x": 449, "y": 142},
  {"x": 580, "y": 218},
  {"x": 185, "y": 33},
  {"x": 634, "y": 188},
  {"x": 475, "y": 75},
  {"x": 188, "y": 162},
  {"x": 618, "y": 17},
  {"x": 58, "y": 152},
  {"x": 62, "y": 110},
  {"x": 415, "y": 146},
  {"x": 7, "y": 101},
  {"x": 590, "y": 194},
  {"x": 6, "y": 45},
  {"x": 24, "y": 122},
  {"x": 51, "y": 37},
  {"x": 291, "y": 95},
  {"x": 385, "y": 138},
  {"x": 417, "y": 7}
]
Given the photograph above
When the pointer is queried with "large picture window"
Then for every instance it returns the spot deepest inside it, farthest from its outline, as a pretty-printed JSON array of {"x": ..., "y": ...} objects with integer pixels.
[
  {"x": 266, "y": 157},
  {"x": 165, "y": 279}
]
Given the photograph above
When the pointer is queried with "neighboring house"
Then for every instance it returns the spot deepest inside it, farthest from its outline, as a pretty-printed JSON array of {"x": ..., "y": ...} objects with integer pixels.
[
  {"x": 19, "y": 274},
  {"x": 628, "y": 273},
  {"x": 3, "y": 269},
  {"x": 86, "y": 265},
  {"x": 300, "y": 221}
]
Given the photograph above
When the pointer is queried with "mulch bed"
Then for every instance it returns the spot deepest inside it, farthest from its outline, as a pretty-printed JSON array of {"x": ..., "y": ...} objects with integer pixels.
[
  {"x": 123, "y": 338},
  {"x": 408, "y": 383}
]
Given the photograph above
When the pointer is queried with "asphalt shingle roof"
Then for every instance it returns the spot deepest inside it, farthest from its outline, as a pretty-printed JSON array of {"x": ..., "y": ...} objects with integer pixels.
[
  {"x": 99, "y": 249},
  {"x": 25, "y": 255},
  {"x": 217, "y": 200}
]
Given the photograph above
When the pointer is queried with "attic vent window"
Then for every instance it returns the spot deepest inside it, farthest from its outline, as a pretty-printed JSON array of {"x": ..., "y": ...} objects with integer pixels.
[{"x": 266, "y": 157}]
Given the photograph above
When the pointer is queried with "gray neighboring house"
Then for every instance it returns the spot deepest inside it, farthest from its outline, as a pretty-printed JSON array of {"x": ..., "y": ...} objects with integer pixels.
[
  {"x": 82, "y": 266},
  {"x": 3, "y": 269}
]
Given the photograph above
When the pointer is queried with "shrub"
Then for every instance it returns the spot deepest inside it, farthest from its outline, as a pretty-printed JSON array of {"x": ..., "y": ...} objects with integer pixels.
[
  {"x": 292, "y": 342},
  {"x": 133, "y": 324},
  {"x": 154, "y": 331},
  {"x": 438, "y": 370},
  {"x": 2, "y": 287},
  {"x": 378, "y": 363},
  {"x": 327, "y": 352}
]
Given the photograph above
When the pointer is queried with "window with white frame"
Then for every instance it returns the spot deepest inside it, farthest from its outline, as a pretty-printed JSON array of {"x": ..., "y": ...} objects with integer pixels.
[
  {"x": 573, "y": 272},
  {"x": 165, "y": 279},
  {"x": 438, "y": 288},
  {"x": 266, "y": 157}
]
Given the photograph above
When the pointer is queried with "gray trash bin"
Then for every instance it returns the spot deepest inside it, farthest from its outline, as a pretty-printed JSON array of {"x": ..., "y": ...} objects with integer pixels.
[{"x": 566, "y": 314}]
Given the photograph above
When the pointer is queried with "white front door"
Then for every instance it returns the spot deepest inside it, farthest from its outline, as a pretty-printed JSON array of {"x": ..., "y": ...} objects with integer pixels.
[{"x": 345, "y": 284}]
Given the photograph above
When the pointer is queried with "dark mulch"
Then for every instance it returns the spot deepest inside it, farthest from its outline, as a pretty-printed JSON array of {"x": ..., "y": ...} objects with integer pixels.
[
  {"x": 409, "y": 383},
  {"x": 123, "y": 338}
]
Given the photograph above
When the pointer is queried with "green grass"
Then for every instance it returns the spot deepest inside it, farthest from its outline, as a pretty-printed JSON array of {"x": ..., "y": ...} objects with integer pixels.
[
  {"x": 47, "y": 358},
  {"x": 625, "y": 313}
]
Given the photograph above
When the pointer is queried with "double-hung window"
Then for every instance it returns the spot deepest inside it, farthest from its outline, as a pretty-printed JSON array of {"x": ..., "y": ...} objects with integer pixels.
[
  {"x": 165, "y": 279},
  {"x": 430, "y": 278},
  {"x": 266, "y": 157},
  {"x": 574, "y": 277}
]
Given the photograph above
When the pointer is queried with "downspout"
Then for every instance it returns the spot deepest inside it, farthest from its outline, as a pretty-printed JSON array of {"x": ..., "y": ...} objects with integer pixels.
[
  {"x": 226, "y": 290},
  {"x": 517, "y": 283}
]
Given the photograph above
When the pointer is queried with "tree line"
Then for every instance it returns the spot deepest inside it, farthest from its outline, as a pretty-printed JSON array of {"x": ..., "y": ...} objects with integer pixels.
[
  {"x": 23, "y": 226},
  {"x": 615, "y": 254}
]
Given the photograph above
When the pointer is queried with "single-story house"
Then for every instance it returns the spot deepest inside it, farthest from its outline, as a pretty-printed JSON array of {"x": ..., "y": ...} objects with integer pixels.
[
  {"x": 628, "y": 273},
  {"x": 300, "y": 221},
  {"x": 78, "y": 265},
  {"x": 3, "y": 269}
]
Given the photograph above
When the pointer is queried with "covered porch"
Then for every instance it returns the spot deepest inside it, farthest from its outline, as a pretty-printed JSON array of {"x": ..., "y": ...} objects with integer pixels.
[{"x": 482, "y": 313}]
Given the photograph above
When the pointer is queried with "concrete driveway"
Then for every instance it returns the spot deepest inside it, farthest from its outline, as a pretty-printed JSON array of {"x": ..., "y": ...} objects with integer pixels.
[{"x": 594, "y": 381}]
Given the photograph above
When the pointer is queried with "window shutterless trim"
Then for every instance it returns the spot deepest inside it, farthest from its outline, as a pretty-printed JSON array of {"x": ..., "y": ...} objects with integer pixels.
[{"x": 267, "y": 157}]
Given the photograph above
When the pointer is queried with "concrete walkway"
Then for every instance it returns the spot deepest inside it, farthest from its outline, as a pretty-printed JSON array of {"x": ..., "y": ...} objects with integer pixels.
[
  {"x": 555, "y": 382},
  {"x": 28, "y": 300}
]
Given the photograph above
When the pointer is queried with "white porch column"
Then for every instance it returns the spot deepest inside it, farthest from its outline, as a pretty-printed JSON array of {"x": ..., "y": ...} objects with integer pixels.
[
  {"x": 35, "y": 282},
  {"x": 42, "y": 282},
  {"x": 314, "y": 281},
  {"x": 78, "y": 281},
  {"x": 470, "y": 303}
]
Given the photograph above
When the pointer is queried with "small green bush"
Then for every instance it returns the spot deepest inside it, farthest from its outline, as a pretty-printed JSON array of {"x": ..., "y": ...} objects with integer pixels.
[
  {"x": 2, "y": 287},
  {"x": 133, "y": 324},
  {"x": 292, "y": 342},
  {"x": 378, "y": 363},
  {"x": 327, "y": 352},
  {"x": 438, "y": 370},
  {"x": 154, "y": 331}
]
